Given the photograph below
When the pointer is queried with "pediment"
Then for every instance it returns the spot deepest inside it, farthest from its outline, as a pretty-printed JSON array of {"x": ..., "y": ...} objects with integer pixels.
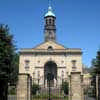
[{"x": 50, "y": 44}]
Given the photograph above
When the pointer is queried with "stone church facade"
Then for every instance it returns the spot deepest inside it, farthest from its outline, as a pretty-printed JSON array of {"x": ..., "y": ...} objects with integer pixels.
[{"x": 50, "y": 56}]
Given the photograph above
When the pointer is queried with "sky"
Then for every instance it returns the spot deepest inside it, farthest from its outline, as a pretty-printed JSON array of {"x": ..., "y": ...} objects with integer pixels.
[{"x": 77, "y": 22}]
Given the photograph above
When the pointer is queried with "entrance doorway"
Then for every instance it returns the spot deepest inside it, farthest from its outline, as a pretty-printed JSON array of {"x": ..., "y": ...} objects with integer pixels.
[{"x": 50, "y": 67}]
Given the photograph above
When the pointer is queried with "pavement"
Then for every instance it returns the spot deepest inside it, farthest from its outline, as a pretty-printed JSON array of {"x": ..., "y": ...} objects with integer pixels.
[
  {"x": 12, "y": 97},
  {"x": 88, "y": 98}
]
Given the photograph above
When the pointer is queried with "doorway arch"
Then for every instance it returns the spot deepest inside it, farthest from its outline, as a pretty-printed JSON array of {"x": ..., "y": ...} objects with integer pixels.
[{"x": 50, "y": 67}]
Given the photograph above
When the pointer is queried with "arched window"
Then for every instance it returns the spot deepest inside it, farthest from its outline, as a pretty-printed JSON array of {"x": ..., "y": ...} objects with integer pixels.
[
  {"x": 50, "y": 48},
  {"x": 53, "y": 21},
  {"x": 50, "y": 21}
]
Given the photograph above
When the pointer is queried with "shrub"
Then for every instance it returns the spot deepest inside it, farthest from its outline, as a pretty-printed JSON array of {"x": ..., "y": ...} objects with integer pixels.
[
  {"x": 65, "y": 87},
  {"x": 12, "y": 90},
  {"x": 35, "y": 88}
]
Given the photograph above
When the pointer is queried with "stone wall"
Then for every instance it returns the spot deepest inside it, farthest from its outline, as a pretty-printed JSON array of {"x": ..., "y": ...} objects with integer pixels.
[{"x": 36, "y": 64}]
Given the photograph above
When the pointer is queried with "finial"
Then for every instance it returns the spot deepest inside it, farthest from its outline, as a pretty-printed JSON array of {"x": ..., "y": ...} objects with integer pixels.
[
  {"x": 49, "y": 3},
  {"x": 50, "y": 8},
  {"x": 50, "y": 11}
]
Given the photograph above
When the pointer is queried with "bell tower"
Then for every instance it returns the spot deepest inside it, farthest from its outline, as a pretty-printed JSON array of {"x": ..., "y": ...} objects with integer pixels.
[{"x": 50, "y": 26}]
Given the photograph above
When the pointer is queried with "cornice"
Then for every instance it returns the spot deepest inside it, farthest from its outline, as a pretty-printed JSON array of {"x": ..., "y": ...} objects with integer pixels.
[{"x": 53, "y": 52}]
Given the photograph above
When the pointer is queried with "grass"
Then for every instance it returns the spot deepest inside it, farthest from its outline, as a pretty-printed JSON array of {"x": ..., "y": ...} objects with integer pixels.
[{"x": 46, "y": 96}]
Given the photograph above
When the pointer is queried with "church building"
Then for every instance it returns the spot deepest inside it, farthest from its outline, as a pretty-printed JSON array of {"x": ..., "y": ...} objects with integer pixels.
[{"x": 50, "y": 57}]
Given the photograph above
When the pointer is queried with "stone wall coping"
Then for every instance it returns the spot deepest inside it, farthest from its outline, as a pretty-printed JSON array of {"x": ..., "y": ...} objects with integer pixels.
[
  {"x": 77, "y": 72},
  {"x": 24, "y": 74}
]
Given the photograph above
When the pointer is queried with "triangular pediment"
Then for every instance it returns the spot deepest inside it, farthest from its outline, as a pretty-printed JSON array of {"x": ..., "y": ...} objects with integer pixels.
[{"x": 52, "y": 44}]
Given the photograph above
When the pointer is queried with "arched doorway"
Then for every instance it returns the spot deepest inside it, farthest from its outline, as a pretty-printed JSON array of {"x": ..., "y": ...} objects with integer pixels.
[{"x": 50, "y": 67}]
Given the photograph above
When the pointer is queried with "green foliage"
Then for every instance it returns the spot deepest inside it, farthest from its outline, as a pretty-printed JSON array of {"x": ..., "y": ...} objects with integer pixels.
[
  {"x": 46, "y": 96},
  {"x": 96, "y": 65},
  {"x": 35, "y": 88},
  {"x": 6, "y": 52},
  {"x": 12, "y": 90},
  {"x": 65, "y": 87},
  {"x": 8, "y": 56},
  {"x": 8, "y": 66},
  {"x": 14, "y": 74},
  {"x": 95, "y": 70}
]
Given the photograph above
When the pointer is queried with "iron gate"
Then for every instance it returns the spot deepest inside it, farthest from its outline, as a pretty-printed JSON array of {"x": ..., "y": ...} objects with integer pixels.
[{"x": 51, "y": 93}]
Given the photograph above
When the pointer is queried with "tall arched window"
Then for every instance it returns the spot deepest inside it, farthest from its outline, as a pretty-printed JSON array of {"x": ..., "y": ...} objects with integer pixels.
[
  {"x": 53, "y": 21},
  {"x": 50, "y": 21}
]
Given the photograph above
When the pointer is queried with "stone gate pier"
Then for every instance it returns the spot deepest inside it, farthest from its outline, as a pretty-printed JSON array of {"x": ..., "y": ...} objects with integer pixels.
[
  {"x": 76, "y": 86},
  {"x": 24, "y": 87}
]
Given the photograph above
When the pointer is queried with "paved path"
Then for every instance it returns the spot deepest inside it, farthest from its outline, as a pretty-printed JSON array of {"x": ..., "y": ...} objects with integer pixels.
[
  {"x": 88, "y": 98},
  {"x": 12, "y": 97}
]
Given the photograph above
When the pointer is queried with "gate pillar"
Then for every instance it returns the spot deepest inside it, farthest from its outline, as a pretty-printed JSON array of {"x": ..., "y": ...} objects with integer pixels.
[
  {"x": 76, "y": 86},
  {"x": 24, "y": 87}
]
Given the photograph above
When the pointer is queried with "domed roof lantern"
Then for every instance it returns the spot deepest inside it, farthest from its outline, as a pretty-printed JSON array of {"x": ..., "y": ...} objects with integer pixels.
[{"x": 50, "y": 12}]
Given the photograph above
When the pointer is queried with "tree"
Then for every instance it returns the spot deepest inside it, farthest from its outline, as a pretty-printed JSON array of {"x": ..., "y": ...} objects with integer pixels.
[
  {"x": 14, "y": 73},
  {"x": 96, "y": 64},
  {"x": 7, "y": 60},
  {"x": 95, "y": 71}
]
